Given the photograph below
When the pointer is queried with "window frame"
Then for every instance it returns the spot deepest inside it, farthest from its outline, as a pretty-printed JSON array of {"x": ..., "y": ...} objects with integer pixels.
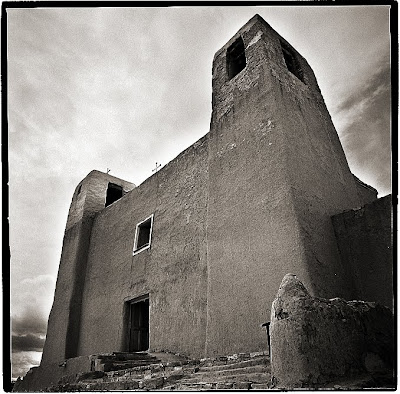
[{"x": 147, "y": 246}]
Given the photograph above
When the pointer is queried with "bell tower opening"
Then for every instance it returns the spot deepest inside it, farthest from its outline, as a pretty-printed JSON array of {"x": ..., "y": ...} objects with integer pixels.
[
  {"x": 114, "y": 193},
  {"x": 291, "y": 62},
  {"x": 235, "y": 58}
]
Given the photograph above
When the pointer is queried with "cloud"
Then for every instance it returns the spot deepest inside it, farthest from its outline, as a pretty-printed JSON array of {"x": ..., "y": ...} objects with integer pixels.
[
  {"x": 27, "y": 342},
  {"x": 23, "y": 361},
  {"x": 30, "y": 297},
  {"x": 377, "y": 83},
  {"x": 30, "y": 318},
  {"x": 31, "y": 323},
  {"x": 363, "y": 121}
]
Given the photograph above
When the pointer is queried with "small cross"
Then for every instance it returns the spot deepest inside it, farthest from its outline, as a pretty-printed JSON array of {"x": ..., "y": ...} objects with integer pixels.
[
  {"x": 157, "y": 167},
  {"x": 108, "y": 170}
]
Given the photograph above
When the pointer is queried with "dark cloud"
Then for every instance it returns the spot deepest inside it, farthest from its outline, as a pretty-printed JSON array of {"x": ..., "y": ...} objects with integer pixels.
[
  {"x": 31, "y": 323},
  {"x": 27, "y": 342}
]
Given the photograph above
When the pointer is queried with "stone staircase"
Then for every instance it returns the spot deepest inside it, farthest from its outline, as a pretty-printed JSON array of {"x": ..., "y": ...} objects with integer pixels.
[
  {"x": 164, "y": 371},
  {"x": 120, "y": 360}
]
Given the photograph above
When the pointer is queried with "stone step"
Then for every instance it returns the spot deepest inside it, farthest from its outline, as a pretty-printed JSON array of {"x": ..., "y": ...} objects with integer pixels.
[
  {"x": 141, "y": 371},
  {"x": 254, "y": 376},
  {"x": 235, "y": 365},
  {"x": 137, "y": 372},
  {"x": 124, "y": 356},
  {"x": 118, "y": 365},
  {"x": 190, "y": 371},
  {"x": 225, "y": 360},
  {"x": 122, "y": 360},
  {"x": 239, "y": 385},
  {"x": 233, "y": 371}
]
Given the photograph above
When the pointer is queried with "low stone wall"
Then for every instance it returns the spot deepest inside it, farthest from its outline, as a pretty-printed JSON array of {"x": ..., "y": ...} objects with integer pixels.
[{"x": 315, "y": 340}]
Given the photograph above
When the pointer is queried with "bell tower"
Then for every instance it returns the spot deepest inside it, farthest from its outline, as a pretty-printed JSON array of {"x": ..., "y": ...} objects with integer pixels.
[
  {"x": 277, "y": 173},
  {"x": 93, "y": 194}
]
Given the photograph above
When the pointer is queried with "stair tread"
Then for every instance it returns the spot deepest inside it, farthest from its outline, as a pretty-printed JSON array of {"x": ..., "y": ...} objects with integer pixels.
[
  {"x": 255, "y": 377},
  {"x": 250, "y": 369},
  {"x": 239, "y": 364}
]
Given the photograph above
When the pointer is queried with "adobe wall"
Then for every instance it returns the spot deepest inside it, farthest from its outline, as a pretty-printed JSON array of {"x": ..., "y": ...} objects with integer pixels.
[
  {"x": 64, "y": 309},
  {"x": 173, "y": 271},
  {"x": 365, "y": 238}
]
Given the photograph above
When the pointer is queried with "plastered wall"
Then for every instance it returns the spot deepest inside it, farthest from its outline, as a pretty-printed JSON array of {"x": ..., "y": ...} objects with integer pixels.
[{"x": 173, "y": 271}]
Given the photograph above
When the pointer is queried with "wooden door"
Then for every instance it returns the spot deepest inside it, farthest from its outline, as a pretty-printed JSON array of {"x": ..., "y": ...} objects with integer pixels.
[{"x": 139, "y": 326}]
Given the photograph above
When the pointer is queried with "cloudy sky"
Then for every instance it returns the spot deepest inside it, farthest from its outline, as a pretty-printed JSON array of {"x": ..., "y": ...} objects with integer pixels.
[{"x": 124, "y": 88}]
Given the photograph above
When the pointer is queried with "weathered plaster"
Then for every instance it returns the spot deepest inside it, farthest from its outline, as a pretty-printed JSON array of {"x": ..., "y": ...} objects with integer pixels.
[{"x": 315, "y": 340}]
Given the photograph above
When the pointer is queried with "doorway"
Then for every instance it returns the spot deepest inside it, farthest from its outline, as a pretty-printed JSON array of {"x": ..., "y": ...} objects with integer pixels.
[{"x": 138, "y": 326}]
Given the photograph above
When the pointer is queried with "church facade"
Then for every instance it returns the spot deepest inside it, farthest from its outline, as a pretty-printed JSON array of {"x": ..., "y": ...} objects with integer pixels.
[{"x": 190, "y": 260}]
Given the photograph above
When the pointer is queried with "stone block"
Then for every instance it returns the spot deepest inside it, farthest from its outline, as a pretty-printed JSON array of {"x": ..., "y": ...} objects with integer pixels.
[
  {"x": 153, "y": 384},
  {"x": 224, "y": 386},
  {"x": 89, "y": 375},
  {"x": 260, "y": 386},
  {"x": 174, "y": 377},
  {"x": 241, "y": 385},
  {"x": 131, "y": 385},
  {"x": 314, "y": 340}
]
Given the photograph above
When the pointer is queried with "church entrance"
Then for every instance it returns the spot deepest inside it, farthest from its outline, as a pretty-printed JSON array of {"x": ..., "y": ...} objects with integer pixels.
[{"x": 138, "y": 331}]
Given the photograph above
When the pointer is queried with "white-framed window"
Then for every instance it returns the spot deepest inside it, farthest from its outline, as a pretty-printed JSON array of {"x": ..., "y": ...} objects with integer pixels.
[{"x": 143, "y": 235}]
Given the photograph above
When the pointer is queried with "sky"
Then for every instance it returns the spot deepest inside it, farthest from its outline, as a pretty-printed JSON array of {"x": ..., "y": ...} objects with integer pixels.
[{"x": 124, "y": 88}]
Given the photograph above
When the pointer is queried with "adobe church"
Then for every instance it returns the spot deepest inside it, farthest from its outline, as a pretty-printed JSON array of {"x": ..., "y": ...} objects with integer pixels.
[{"x": 191, "y": 260}]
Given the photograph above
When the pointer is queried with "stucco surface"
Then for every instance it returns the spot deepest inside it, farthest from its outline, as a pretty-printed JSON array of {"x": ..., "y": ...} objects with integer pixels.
[{"x": 173, "y": 271}]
